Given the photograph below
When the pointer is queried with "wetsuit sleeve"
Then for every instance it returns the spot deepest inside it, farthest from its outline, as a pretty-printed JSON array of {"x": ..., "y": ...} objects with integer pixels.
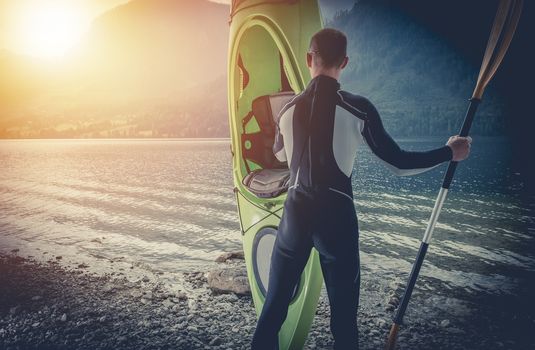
[
  {"x": 278, "y": 145},
  {"x": 401, "y": 162}
]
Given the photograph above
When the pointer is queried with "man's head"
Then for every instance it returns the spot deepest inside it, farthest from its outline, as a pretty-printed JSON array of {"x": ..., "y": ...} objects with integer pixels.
[{"x": 327, "y": 53}]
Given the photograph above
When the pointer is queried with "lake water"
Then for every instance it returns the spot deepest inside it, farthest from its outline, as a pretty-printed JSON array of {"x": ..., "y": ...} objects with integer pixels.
[{"x": 167, "y": 205}]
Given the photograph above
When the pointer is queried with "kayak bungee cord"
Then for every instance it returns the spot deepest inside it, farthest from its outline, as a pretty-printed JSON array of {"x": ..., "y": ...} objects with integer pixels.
[
  {"x": 502, "y": 32},
  {"x": 274, "y": 213}
]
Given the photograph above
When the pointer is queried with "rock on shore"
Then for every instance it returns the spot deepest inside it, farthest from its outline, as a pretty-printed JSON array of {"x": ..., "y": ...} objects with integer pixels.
[{"x": 229, "y": 279}]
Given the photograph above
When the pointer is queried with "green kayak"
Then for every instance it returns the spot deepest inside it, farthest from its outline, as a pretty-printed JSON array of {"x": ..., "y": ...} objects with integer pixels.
[{"x": 267, "y": 49}]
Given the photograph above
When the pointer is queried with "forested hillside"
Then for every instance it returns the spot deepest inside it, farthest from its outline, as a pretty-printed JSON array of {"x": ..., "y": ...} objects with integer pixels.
[{"x": 419, "y": 84}]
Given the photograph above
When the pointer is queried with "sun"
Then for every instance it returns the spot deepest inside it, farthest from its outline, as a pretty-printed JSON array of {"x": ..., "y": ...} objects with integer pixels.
[{"x": 48, "y": 28}]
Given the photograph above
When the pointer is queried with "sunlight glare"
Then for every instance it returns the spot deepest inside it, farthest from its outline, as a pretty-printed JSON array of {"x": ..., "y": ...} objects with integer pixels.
[{"x": 48, "y": 29}]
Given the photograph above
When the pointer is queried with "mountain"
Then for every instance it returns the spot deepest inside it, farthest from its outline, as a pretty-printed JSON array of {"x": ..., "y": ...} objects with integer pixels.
[
  {"x": 419, "y": 83},
  {"x": 156, "y": 47}
]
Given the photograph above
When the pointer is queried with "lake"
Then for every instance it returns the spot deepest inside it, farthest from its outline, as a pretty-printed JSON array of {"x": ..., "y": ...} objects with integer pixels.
[{"x": 166, "y": 206}]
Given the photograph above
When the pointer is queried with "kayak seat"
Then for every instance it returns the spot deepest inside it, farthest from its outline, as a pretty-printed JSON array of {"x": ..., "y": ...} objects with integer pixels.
[
  {"x": 267, "y": 183},
  {"x": 257, "y": 146}
]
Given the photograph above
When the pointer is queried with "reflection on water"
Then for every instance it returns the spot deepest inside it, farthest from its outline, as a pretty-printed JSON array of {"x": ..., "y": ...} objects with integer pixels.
[{"x": 168, "y": 205}]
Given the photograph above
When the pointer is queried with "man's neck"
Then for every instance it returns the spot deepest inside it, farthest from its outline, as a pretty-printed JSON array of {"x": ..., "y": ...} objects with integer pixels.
[{"x": 333, "y": 73}]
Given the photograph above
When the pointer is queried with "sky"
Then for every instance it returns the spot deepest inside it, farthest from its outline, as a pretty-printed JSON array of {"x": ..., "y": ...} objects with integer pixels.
[{"x": 26, "y": 25}]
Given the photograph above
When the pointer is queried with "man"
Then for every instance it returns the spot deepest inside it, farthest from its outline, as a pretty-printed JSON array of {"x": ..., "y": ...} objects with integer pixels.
[{"x": 318, "y": 133}]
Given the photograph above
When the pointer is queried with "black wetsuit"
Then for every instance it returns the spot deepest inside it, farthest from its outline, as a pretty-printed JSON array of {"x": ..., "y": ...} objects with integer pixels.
[{"x": 318, "y": 133}]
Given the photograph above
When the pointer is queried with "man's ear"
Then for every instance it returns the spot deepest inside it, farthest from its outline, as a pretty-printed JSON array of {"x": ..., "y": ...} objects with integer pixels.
[
  {"x": 344, "y": 62},
  {"x": 309, "y": 60}
]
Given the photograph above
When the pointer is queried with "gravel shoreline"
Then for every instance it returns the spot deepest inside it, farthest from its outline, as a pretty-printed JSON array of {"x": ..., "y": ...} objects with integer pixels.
[{"x": 50, "y": 306}]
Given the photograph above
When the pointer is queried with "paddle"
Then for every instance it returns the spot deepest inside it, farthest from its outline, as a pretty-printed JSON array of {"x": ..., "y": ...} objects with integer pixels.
[{"x": 501, "y": 34}]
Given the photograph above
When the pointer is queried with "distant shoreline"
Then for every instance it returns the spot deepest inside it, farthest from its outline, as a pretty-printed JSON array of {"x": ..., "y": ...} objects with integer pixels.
[{"x": 196, "y": 139}]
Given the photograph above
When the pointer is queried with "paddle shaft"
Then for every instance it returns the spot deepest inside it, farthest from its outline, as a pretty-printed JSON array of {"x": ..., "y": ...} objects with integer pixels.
[{"x": 448, "y": 178}]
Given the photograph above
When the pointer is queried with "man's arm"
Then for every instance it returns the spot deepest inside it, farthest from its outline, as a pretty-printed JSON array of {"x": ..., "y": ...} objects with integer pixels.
[{"x": 401, "y": 162}]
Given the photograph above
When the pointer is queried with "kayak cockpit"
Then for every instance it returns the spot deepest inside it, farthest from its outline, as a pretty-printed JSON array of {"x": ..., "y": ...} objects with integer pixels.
[{"x": 259, "y": 125}]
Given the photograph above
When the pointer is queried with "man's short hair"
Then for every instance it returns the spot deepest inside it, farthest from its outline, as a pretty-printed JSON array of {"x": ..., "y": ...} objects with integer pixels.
[{"x": 330, "y": 45}]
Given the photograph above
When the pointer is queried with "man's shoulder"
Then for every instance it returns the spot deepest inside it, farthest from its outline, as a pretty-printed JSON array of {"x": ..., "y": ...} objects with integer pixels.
[
  {"x": 356, "y": 103},
  {"x": 289, "y": 104}
]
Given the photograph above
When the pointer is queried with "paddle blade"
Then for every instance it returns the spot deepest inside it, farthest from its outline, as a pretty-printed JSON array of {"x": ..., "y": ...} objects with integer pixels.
[
  {"x": 501, "y": 34},
  {"x": 392, "y": 337}
]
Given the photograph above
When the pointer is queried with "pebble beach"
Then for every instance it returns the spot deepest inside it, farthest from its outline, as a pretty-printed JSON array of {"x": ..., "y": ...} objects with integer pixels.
[{"x": 47, "y": 305}]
